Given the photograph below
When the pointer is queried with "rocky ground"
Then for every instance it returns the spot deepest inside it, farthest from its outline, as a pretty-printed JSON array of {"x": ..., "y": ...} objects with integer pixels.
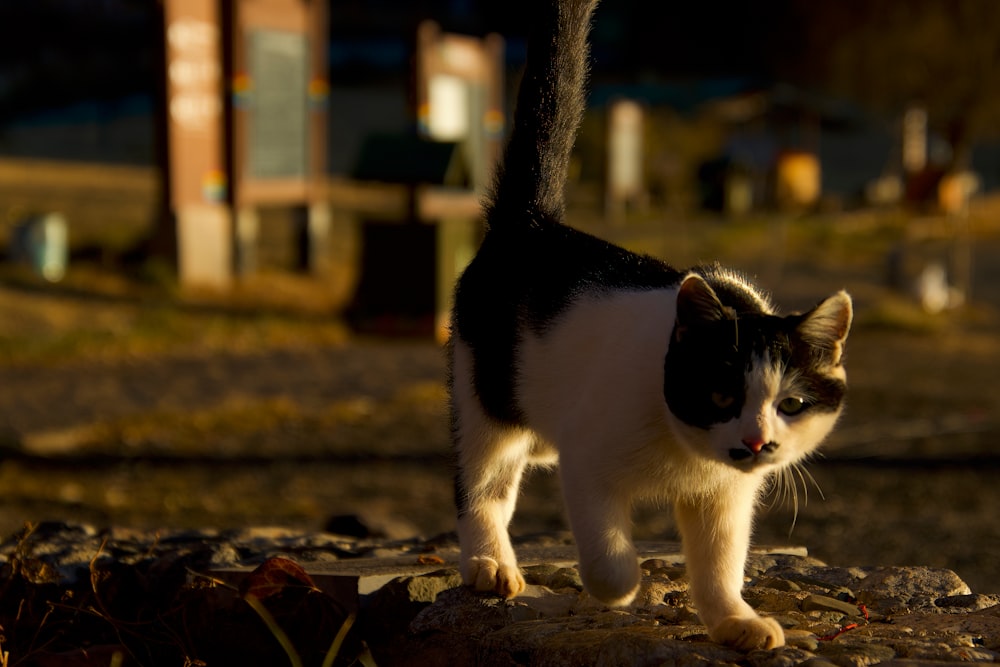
[{"x": 267, "y": 597}]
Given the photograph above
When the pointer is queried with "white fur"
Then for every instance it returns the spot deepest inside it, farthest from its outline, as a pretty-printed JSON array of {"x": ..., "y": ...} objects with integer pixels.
[{"x": 618, "y": 442}]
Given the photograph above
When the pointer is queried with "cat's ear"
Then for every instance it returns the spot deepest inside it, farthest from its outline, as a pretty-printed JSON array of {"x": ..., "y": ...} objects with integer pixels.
[
  {"x": 826, "y": 326},
  {"x": 696, "y": 303}
]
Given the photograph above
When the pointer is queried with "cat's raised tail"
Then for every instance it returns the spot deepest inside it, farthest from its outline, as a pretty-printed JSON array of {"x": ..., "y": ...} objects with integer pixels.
[{"x": 547, "y": 114}]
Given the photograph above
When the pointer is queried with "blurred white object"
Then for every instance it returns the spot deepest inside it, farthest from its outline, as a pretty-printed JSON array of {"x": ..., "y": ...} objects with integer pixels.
[
  {"x": 43, "y": 243},
  {"x": 933, "y": 290}
]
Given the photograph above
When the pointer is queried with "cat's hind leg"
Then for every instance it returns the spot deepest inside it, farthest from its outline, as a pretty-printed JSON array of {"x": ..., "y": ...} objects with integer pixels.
[
  {"x": 486, "y": 488},
  {"x": 491, "y": 459}
]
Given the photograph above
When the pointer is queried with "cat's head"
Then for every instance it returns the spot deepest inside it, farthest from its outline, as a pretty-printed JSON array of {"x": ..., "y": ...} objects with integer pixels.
[{"x": 749, "y": 388}]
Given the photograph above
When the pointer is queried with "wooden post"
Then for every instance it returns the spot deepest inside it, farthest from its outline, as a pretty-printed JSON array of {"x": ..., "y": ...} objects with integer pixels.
[
  {"x": 624, "y": 186},
  {"x": 194, "y": 169}
]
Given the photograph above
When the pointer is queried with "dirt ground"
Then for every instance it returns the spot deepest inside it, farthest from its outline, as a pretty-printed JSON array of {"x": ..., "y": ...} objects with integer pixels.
[{"x": 236, "y": 421}]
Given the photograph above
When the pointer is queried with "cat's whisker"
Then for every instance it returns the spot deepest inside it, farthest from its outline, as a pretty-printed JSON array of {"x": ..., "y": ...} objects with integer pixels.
[
  {"x": 777, "y": 489},
  {"x": 795, "y": 498},
  {"x": 812, "y": 480},
  {"x": 783, "y": 491},
  {"x": 787, "y": 490},
  {"x": 805, "y": 488},
  {"x": 793, "y": 488},
  {"x": 802, "y": 474},
  {"x": 772, "y": 491}
]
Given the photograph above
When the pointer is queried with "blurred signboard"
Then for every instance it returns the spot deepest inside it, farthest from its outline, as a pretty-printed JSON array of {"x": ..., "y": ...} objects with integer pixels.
[
  {"x": 459, "y": 95},
  {"x": 278, "y": 132},
  {"x": 245, "y": 115},
  {"x": 459, "y": 98},
  {"x": 278, "y": 100}
]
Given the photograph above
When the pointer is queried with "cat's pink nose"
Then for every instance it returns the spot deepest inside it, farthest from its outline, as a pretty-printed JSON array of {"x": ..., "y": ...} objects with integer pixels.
[{"x": 755, "y": 444}]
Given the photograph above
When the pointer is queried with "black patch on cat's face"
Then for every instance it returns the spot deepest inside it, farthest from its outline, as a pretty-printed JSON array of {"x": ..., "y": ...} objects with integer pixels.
[
  {"x": 823, "y": 392},
  {"x": 705, "y": 371},
  {"x": 705, "y": 374}
]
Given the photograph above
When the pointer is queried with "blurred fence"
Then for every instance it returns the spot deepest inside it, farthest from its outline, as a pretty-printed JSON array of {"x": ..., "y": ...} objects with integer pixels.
[{"x": 105, "y": 204}]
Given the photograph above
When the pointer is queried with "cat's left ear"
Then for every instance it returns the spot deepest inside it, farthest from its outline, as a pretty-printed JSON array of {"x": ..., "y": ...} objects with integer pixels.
[
  {"x": 826, "y": 326},
  {"x": 697, "y": 304}
]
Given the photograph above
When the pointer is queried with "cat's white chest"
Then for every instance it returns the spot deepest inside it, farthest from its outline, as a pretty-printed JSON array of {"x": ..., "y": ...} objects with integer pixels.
[{"x": 599, "y": 369}]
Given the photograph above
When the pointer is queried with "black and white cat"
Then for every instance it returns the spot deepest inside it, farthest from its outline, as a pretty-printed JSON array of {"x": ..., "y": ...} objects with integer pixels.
[{"x": 644, "y": 382}]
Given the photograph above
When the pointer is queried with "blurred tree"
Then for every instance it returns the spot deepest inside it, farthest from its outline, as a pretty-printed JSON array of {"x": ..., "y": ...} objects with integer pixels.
[{"x": 943, "y": 55}]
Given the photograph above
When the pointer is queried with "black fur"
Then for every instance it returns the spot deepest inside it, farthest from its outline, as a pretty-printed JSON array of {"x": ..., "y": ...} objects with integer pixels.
[
  {"x": 530, "y": 266},
  {"x": 529, "y": 184},
  {"x": 710, "y": 362},
  {"x": 527, "y": 279}
]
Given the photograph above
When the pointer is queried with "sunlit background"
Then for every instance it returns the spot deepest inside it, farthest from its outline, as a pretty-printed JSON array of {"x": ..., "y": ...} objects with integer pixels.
[{"x": 228, "y": 233}]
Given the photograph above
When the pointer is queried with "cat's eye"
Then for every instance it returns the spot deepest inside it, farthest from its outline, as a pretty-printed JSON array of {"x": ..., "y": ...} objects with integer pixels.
[
  {"x": 792, "y": 406},
  {"x": 721, "y": 400}
]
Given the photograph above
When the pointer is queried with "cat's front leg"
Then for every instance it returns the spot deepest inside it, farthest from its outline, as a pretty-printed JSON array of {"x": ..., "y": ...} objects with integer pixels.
[
  {"x": 716, "y": 533},
  {"x": 601, "y": 521}
]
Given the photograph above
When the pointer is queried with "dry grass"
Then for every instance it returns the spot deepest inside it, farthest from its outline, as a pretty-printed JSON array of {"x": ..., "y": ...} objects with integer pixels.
[{"x": 99, "y": 314}]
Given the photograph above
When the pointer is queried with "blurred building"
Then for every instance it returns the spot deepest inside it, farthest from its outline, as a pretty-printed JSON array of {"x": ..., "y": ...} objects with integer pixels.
[{"x": 87, "y": 92}]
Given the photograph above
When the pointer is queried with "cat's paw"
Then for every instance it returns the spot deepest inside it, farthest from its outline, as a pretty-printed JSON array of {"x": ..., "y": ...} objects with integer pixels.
[
  {"x": 487, "y": 575},
  {"x": 748, "y": 632}
]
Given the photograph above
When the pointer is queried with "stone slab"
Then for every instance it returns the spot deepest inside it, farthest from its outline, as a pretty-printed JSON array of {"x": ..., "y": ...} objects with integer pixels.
[{"x": 366, "y": 575}]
